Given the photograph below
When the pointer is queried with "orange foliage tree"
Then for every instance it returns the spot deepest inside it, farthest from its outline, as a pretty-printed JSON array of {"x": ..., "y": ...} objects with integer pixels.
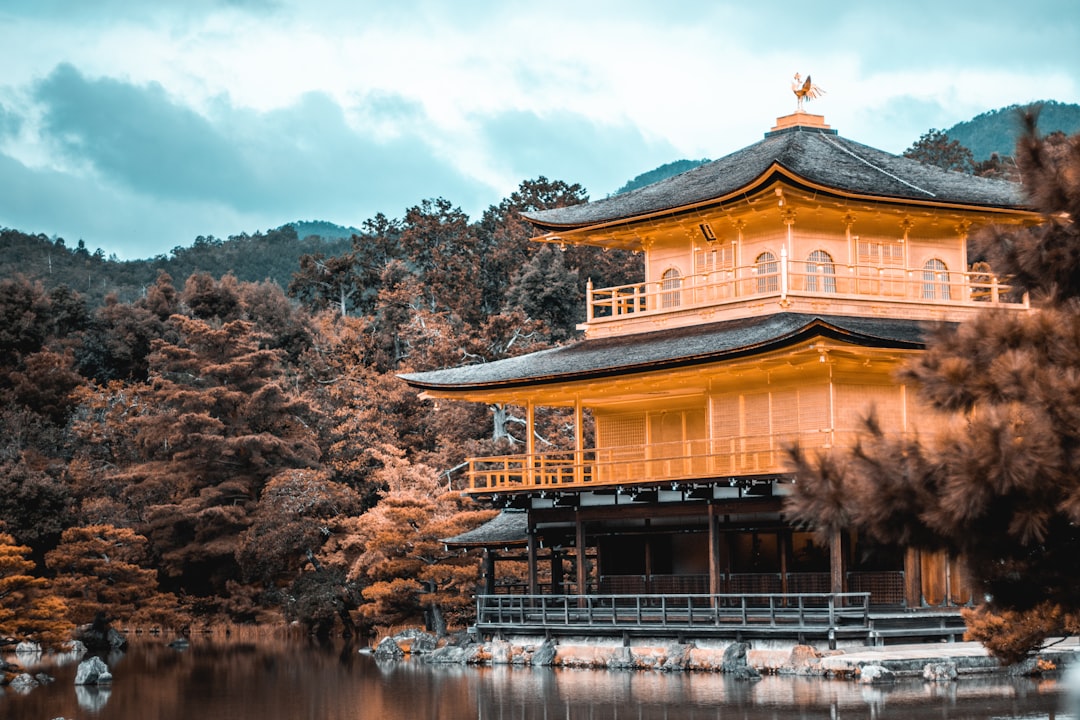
[
  {"x": 394, "y": 551},
  {"x": 28, "y": 607},
  {"x": 105, "y": 569}
]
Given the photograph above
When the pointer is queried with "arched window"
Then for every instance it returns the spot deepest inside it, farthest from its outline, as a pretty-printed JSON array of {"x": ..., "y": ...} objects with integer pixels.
[
  {"x": 767, "y": 270},
  {"x": 670, "y": 282},
  {"x": 935, "y": 280},
  {"x": 820, "y": 265}
]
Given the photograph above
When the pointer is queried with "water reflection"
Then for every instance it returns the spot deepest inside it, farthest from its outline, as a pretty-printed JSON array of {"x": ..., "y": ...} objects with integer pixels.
[{"x": 277, "y": 679}]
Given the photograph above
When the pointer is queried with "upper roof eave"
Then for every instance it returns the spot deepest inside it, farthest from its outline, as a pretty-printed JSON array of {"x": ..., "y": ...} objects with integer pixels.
[
  {"x": 776, "y": 173},
  {"x": 826, "y": 163}
]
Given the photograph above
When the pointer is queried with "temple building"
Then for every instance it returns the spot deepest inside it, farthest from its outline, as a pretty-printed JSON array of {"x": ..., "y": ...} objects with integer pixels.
[{"x": 784, "y": 285}]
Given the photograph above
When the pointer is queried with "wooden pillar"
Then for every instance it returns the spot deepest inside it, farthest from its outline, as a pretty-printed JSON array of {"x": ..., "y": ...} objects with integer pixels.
[
  {"x": 783, "y": 538},
  {"x": 836, "y": 561},
  {"x": 489, "y": 571},
  {"x": 579, "y": 442},
  {"x": 715, "y": 561},
  {"x": 534, "y": 585},
  {"x": 530, "y": 443},
  {"x": 557, "y": 573},
  {"x": 913, "y": 578},
  {"x": 579, "y": 541}
]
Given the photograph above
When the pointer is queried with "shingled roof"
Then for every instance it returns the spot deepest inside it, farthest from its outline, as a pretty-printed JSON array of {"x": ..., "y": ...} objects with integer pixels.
[
  {"x": 508, "y": 528},
  {"x": 816, "y": 155},
  {"x": 676, "y": 347}
]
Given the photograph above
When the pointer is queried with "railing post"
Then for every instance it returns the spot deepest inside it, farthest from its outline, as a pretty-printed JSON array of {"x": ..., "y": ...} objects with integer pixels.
[
  {"x": 589, "y": 312},
  {"x": 784, "y": 272}
]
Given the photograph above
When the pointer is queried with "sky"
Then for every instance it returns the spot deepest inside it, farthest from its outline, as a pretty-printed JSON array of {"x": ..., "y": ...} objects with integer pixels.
[{"x": 137, "y": 126}]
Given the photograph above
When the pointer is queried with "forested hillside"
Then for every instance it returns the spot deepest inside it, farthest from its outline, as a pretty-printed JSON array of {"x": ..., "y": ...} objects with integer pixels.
[
  {"x": 996, "y": 131},
  {"x": 274, "y": 255},
  {"x": 245, "y": 452}
]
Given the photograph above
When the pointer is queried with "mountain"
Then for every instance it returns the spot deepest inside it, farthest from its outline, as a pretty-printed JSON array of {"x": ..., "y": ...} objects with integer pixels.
[
  {"x": 324, "y": 230},
  {"x": 996, "y": 131},
  {"x": 273, "y": 255},
  {"x": 661, "y": 173}
]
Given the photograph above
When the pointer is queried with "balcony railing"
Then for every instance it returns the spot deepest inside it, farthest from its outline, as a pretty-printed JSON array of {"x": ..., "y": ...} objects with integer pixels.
[
  {"x": 825, "y": 614},
  {"x": 685, "y": 460},
  {"x": 785, "y": 277}
]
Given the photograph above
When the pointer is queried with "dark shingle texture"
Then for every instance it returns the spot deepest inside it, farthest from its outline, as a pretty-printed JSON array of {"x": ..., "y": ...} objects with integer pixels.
[
  {"x": 677, "y": 347},
  {"x": 509, "y": 527},
  {"x": 820, "y": 158}
]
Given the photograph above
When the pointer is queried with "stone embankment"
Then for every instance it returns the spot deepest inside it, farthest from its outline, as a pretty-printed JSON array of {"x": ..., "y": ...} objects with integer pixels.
[{"x": 940, "y": 662}]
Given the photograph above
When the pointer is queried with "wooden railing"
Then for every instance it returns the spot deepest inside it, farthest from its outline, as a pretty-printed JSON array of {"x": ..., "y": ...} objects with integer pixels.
[
  {"x": 786, "y": 277},
  {"x": 886, "y": 587},
  {"x": 824, "y": 614},
  {"x": 685, "y": 460}
]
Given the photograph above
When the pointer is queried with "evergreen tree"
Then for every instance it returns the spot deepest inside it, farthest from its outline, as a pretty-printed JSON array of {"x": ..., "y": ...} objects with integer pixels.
[{"x": 935, "y": 148}]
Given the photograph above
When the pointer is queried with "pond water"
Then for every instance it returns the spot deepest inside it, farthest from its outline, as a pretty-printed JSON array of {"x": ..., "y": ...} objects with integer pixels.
[{"x": 279, "y": 680}]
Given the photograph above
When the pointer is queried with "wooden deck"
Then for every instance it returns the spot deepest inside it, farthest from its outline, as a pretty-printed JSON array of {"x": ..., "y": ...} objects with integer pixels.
[{"x": 800, "y": 617}]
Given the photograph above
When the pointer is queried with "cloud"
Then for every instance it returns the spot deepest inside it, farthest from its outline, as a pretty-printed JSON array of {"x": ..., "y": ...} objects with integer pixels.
[
  {"x": 567, "y": 146},
  {"x": 139, "y": 138}
]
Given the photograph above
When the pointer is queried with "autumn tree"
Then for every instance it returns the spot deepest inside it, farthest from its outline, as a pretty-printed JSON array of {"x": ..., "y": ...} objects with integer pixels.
[
  {"x": 27, "y": 607},
  {"x": 1000, "y": 487},
  {"x": 934, "y": 147},
  {"x": 106, "y": 569},
  {"x": 394, "y": 551},
  {"x": 195, "y": 445}
]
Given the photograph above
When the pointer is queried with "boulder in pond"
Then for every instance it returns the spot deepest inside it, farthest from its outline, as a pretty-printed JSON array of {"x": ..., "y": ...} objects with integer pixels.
[
  {"x": 387, "y": 649},
  {"x": 28, "y": 647},
  {"x": 734, "y": 657},
  {"x": 93, "y": 671}
]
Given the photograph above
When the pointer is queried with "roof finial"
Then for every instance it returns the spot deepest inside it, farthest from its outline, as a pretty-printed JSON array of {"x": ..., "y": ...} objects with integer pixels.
[{"x": 804, "y": 91}]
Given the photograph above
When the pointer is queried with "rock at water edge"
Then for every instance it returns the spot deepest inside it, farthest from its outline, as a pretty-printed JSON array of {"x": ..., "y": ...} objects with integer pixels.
[
  {"x": 734, "y": 657},
  {"x": 939, "y": 672},
  {"x": 388, "y": 650},
  {"x": 93, "y": 671},
  {"x": 875, "y": 674}
]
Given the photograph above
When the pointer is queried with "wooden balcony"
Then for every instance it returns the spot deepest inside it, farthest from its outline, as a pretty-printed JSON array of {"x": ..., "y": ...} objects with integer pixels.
[
  {"x": 848, "y": 289},
  {"x": 659, "y": 462}
]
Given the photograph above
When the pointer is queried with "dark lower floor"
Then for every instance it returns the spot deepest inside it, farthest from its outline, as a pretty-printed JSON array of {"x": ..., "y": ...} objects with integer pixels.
[{"x": 715, "y": 548}]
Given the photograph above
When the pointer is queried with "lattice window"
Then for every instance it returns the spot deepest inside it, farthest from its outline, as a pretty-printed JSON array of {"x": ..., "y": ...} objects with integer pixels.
[
  {"x": 935, "y": 280},
  {"x": 767, "y": 270},
  {"x": 671, "y": 281},
  {"x": 819, "y": 266},
  {"x": 880, "y": 253},
  {"x": 620, "y": 430},
  {"x": 853, "y": 402},
  {"x": 712, "y": 258}
]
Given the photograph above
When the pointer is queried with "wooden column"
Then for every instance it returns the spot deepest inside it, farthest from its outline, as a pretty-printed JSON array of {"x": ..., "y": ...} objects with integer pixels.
[
  {"x": 530, "y": 442},
  {"x": 836, "y": 561},
  {"x": 579, "y": 442},
  {"x": 579, "y": 541},
  {"x": 783, "y": 539},
  {"x": 913, "y": 578},
  {"x": 489, "y": 571},
  {"x": 534, "y": 585},
  {"x": 715, "y": 561},
  {"x": 557, "y": 573}
]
